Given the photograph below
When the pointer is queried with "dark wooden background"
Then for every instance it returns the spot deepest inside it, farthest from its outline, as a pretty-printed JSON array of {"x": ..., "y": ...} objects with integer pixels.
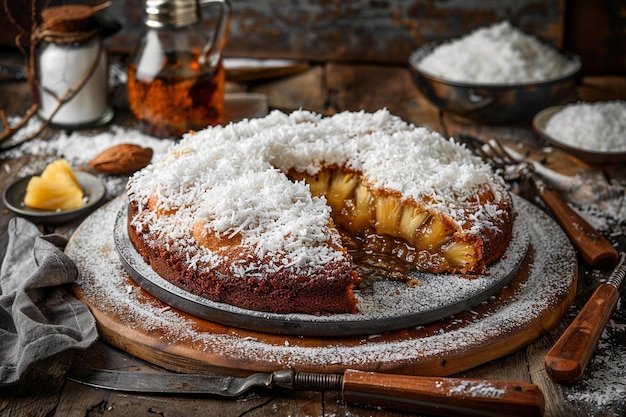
[{"x": 382, "y": 31}]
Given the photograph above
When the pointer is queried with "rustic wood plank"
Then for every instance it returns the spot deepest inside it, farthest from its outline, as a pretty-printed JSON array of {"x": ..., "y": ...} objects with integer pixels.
[
  {"x": 558, "y": 406},
  {"x": 357, "y": 30},
  {"x": 335, "y": 406},
  {"x": 15, "y": 99},
  {"x": 373, "y": 87},
  {"x": 380, "y": 31},
  {"x": 78, "y": 401},
  {"x": 596, "y": 31},
  {"x": 595, "y": 88},
  {"x": 305, "y": 90},
  {"x": 37, "y": 392},
  {"x": 388, "y": 30}
]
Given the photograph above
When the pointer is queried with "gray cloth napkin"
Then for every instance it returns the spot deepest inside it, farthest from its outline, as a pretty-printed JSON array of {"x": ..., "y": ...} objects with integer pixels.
[{"x": 38, "y": 318}]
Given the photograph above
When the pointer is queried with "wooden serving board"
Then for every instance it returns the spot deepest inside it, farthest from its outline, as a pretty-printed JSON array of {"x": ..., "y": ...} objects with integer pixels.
[{"x": 131, "y": 319}]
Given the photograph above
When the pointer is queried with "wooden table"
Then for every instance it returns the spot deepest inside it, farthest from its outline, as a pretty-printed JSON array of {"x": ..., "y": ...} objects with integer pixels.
[{"x": 325, "y": 88}]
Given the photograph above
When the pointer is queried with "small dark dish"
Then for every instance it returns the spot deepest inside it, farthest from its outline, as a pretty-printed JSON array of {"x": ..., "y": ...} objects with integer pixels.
[
  {"x": 492, "y": 103},
  {"x": 13, "y": 198},
  {"x": 597, "y": 159}
]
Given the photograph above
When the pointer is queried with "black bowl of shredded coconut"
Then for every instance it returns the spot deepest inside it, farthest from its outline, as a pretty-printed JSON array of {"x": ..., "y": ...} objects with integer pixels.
[{"x": 494, "y": 75}]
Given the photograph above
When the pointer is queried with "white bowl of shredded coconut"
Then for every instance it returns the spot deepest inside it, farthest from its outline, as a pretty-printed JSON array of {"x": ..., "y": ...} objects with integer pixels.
[
  {"x": 495, "y": 74},
  {"x": 594, "y": 132}
]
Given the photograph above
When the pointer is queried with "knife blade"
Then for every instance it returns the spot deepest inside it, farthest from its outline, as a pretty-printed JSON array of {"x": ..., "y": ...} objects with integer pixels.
[
  {"x": 567, "y": 360},
  {"x": 435, "y": 395}
]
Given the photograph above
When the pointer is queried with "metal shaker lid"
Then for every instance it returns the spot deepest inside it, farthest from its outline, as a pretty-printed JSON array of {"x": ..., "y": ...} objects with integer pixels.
[{"x": 171, "y": 13}]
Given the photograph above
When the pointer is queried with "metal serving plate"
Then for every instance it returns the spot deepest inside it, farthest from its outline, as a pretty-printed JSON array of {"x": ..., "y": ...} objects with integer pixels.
[{"x": 386, "y": 306}]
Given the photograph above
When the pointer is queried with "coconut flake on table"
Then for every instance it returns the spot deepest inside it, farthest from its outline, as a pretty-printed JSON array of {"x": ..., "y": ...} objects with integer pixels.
[
  {"x": 604, "y": 383},
  {"x": 599, "y": 126},
  {"x": 78, "y": 148},
  {"x": 497, "y": 54}
]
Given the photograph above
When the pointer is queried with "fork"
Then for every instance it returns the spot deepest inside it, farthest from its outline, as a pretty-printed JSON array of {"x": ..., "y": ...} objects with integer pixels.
[
  {"x": 574, "y": 189},
  {"x": 592, "y": 246}
]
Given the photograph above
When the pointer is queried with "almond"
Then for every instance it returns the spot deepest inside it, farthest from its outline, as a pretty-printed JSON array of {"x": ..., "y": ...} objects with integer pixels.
[{"x": 123, "y": 159}]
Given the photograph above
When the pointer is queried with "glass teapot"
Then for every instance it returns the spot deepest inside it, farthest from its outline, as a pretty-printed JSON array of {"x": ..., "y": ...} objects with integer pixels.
[{"x": 175, "y": 75}]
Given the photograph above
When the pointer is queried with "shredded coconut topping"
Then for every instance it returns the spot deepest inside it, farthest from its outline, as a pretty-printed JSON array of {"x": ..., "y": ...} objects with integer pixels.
[
  {"x": 599, "y": 126},
  {"x": 499, "y": 53},
  {"x": 233, "y": 180}
]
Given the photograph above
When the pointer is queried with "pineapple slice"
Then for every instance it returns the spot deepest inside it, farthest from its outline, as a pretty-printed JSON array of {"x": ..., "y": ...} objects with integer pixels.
[
  {"x": 461, "y": 255},
  {"x": 55, "y": 189}
]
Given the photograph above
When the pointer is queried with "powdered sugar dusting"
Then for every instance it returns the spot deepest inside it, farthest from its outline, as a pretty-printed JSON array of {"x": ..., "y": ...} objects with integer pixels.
[
  {"x": 104, "y": 284},
  {"x": 477, "y": 389},
  {"x": 604, "y": 382}
]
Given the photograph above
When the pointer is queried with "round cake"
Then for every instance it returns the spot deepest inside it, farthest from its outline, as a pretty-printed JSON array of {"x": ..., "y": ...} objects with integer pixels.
[{"x": 259, "y": 214}]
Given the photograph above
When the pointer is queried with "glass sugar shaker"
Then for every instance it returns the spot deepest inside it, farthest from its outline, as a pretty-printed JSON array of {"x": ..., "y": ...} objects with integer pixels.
[
  {"x": 176, "y": 80},
  {"x": 71, "y": 69}
]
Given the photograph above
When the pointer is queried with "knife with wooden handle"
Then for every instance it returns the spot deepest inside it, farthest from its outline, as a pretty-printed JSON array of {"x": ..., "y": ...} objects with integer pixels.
[
  {"x": 432, "y": 395},
  {"x": 566, "y": 361}
]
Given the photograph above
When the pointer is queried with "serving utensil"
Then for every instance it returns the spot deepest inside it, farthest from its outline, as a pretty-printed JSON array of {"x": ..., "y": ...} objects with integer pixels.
[
  {"x": 573, "y": 188},
  {"x": 566, "y": 361},
  {"x": 433, "y": 395},
  {"x": 593, "y": 247}
]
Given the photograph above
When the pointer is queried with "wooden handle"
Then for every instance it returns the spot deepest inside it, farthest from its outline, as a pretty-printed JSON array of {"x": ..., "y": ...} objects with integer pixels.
[
  {"x": 443, "y": 396},
  {"x": 568, "y": 358},
  {"x": 593, "y": 247}
]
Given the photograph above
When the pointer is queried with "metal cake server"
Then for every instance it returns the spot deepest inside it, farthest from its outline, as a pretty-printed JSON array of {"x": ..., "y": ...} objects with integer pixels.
[
  {"x": 566, "y": 361},
  {"x": 433, "y": 395}
]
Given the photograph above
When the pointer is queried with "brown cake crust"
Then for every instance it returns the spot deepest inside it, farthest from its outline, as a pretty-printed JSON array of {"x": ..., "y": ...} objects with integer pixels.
[{"x": 329, "y": 291}]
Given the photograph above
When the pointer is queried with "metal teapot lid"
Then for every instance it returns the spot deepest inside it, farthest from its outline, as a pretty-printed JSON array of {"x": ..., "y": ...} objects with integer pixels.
[{"x": 171, "y": 13}]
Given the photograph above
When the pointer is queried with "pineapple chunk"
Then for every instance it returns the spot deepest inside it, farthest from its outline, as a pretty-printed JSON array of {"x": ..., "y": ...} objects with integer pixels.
[
  {"x": 411, "y": 221},
  {"x": 61, "y": 172},
  {"x": 341, "y": 187},
  {"x": 434, "y": 234},
  {"x": 319, "y": 182},
  {"x": 362, "y": 214},
  {"x": 388, "y": 210},
  {"x": 461, "y": 254},
  {"x": 55, "y": 189}
]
